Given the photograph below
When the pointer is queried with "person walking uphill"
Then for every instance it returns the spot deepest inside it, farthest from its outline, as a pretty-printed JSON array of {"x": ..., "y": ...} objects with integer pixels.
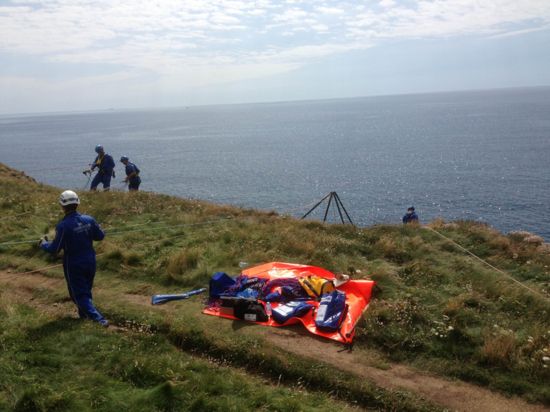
[
  {"x": 75, "y": 235},
  {"x": 410, "y": 216},
  {"x": 106, "y": 165},
  {"x": 132, "y": 174}
]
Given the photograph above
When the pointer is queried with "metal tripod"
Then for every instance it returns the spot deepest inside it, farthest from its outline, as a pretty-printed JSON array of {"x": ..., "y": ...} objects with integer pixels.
[{"x": 339, "y": 206}]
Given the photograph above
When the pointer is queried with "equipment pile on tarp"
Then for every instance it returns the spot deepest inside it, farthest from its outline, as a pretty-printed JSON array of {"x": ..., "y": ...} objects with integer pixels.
[{"x": 280, "y": 294}]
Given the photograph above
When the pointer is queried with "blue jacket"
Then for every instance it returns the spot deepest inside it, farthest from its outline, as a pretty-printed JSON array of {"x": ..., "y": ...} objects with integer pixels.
[
  {"x": 413, "y": 217},
  {"x": 75, "y": 235},
  {"x": 106, "y": 164},
  {"x": 131, "y": 168}
]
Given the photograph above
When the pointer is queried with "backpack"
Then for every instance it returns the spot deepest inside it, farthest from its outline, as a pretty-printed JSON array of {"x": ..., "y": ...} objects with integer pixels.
[
  {"x": 251, "y": 311},
  {"x": 331, "y": 311},
  {"x": 282, "y": 313},
  {"x": 316, "y": 286},
  {"x": 219, "y": 283}
]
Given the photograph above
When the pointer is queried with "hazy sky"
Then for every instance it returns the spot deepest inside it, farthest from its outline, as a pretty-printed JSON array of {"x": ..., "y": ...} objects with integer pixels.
[{"x": 80, "y": 54}]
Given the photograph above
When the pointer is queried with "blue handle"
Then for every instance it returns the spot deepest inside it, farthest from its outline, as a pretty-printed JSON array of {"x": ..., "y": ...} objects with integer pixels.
[{"x": 161, "y": 299}]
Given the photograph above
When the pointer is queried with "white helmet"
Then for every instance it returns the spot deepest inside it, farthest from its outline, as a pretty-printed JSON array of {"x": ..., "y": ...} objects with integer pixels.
[{"x": 68, "y": 197}]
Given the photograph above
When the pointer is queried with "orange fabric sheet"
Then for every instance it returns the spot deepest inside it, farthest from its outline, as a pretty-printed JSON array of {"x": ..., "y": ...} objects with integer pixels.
[{"x": 358, "y": 293}]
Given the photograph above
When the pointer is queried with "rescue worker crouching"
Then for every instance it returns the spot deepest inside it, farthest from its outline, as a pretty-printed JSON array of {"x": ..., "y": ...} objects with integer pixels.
[
  {"x": 132, "y": 174},
  {"x": 106, "y": 165},
  {"x": 75, "y": 235},
  {"x": 410, "y": 216}
]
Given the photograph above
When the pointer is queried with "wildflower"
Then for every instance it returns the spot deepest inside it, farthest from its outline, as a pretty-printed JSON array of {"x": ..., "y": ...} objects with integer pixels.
[
  {"x": 450, "y": 328},
  {"x": 546, "y": 358}
]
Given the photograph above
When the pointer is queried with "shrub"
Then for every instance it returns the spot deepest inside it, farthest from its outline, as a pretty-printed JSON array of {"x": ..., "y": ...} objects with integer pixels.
[
  {"x": 499, "y": 349},
  {"x": 389, "y": 248},
  {"x": 419, "y": 273},
  {"x": 182, "y": 261},
  {"x": 132, "y": 259}
]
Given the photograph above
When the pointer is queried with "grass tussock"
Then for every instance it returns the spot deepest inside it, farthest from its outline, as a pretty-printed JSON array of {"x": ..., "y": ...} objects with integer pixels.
[
  {"x": 183, "y": 261},
  {"x": 499, "y": 349}
]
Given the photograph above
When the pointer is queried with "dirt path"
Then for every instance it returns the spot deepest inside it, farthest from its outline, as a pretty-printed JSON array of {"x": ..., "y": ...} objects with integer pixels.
[{"x": 452, "y": 394}]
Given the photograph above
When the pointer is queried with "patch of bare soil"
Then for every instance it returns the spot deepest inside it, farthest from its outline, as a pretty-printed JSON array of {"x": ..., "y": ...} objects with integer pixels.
[{"x": 452, "y": 394}]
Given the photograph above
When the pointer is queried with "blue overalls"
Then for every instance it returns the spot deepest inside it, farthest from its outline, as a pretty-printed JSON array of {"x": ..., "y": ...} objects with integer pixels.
[
  {"x": 410, "y": 218},
  {"x": 134, "y": 182},
  {"x": 106, "y": 164},
  {"x": 75, "y": 235}
]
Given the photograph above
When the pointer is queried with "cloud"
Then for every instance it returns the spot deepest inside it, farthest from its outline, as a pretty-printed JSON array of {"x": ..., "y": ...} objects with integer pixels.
[
  {"x": 387, "y": 3},
  {"x": 520, "y": 32},
  {"x": 429, "y": 19},
  {"x": 211, "y": 41},
  {"x": 335, "y": 11},
  {"x": 83, "y": 30}
]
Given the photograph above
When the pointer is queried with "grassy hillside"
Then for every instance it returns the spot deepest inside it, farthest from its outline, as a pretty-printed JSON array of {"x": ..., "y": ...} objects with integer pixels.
[{"x": 435, "y": 308}]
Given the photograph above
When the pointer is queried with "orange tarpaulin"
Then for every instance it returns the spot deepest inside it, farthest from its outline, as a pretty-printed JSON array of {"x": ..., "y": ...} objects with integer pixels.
[{"x": 358, "y": 294}]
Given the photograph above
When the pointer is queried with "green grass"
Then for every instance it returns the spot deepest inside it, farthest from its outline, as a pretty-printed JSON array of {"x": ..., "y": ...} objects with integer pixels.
[
  {"x": 64, "y": 364},
  {"x": 434, "y": 307}
]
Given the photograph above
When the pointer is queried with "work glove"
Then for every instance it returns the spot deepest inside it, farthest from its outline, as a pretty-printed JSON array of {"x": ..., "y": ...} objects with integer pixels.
[
  {"x": 42, "y": 241},
  {"x": 87, "y": 172}
]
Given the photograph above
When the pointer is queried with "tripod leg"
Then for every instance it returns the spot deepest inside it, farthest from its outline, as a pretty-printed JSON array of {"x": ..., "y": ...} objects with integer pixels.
[
  {"x": 315, "y": 207},
  {"x": 328, "y": 206},
  {"x": 337, "y": 201},
  {"x": 345, "y": 211}
]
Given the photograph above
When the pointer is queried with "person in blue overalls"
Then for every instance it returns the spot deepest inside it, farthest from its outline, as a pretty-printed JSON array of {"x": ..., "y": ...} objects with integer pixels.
[
  {"x": 105, "y": 165},
  {"x": 132, "y": 174},
  {"x": 75, "y": 235},
  {"x": 410, "y": 216}
]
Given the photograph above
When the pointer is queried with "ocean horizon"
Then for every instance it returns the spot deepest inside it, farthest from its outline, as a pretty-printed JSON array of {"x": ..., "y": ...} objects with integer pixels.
[{"x": 466, "y": 155}]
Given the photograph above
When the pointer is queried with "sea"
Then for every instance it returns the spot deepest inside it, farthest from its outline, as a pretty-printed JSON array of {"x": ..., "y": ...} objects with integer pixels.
[{"x": 474, "y": 155}]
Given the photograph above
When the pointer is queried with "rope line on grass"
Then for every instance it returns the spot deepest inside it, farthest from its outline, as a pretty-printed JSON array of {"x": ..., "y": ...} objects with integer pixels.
[
  {"x": 14, "y": 216},
  {"x": 18, "y": 242},
  {"x": 107, "y": 227},
  {"x": 119, "y": 232},
  {"x": 168, "y": 226},
  {"x": 506, "y": 274},
  {"x": 42, "y": 269},
  {"x": 37, "y": 270}
]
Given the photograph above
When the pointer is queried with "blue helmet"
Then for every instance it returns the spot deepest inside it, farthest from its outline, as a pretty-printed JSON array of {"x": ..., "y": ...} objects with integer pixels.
[
  {"x": 99, "y": 148},
  {"x": 124, "y": 159}
]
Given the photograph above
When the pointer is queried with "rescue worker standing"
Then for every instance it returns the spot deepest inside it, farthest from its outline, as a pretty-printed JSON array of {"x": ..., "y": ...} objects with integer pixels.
[
  {"x": 132, "y": 174},
  {"x": 106, "y": 165},
  {"x": 75, "y": 235}
]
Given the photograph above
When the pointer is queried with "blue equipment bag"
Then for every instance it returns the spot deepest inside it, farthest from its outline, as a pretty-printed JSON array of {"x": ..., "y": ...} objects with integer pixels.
[
  {"x": 331, "y": 311},
  {"x": 219, "y": 283},
  {"x": 282, "y": 313}
]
